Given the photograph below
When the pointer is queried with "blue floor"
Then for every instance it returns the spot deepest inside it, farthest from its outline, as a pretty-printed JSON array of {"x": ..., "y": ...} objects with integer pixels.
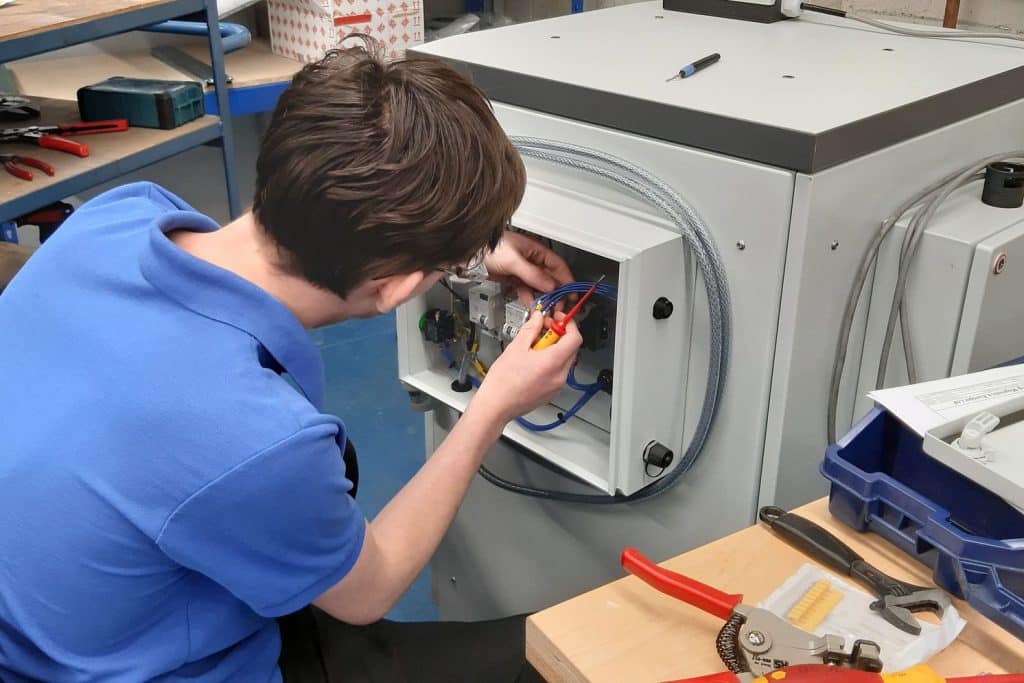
[{"x": 363, "y": 390}]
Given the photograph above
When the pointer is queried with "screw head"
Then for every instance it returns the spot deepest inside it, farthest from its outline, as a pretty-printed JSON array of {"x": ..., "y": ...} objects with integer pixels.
[
  {"x": 1000, "y": 264},
  {"x": 755, "y": 638},
  {"x": 741, "y": 245},
  {"x": 452, "y": 579},
  {"x": 834, "y": 245}
]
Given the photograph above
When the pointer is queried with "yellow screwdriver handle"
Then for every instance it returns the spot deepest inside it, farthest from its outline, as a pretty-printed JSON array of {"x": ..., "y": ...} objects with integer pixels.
[{"x": 549, "y": 338}]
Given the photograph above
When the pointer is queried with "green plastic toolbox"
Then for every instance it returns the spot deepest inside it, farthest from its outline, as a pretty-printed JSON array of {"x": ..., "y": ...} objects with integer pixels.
[{"x": 145, "y": 102}]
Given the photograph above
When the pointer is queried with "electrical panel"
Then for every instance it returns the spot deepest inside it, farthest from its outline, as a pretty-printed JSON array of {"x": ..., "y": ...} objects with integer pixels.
[{"x": 629, "y": 430}]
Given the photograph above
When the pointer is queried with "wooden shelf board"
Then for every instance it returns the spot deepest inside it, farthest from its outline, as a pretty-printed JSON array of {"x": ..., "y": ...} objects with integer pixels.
[
  {"x": 60, "y": 78},
  {"x": 105, "y": 150},
  {"x": 31, "y": 17}
]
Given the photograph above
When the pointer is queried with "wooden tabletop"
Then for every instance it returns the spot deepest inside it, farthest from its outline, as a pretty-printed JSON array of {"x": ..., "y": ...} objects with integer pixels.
[
  {"x": 61, "y": 77},
  {"x": 105, "y": 148},
  {"x": 27, "y": 17},
  {"x": 627, "y": 631}
]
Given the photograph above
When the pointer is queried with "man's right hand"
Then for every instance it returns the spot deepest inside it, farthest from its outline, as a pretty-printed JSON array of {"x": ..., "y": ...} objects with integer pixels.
[
  {"x": 522, "y": 379},
  {"x": 406, "y": 533}
]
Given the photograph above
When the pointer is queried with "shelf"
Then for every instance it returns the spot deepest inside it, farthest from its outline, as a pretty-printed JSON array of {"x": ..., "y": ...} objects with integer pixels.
[
  {"x": 111, "y": 155},
  {"x": 259, "y": 74},
  {"x": 37, "y": 26}
]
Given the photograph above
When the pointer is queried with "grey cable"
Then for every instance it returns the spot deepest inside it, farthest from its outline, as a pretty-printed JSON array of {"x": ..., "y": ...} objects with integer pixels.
[
  {"x": 925, "y": 33},
  {"x": 696, "y": 235},
  {"x": 928, "y": 201}
]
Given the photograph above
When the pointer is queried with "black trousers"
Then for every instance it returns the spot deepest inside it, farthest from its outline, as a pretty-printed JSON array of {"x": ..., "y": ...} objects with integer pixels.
[{"x": 316, "y": 648}]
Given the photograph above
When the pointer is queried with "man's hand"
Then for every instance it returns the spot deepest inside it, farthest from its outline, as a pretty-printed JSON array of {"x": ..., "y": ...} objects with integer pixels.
[
  {"x": 522, "y": 379},
  {"x": 527, "y": 265}
]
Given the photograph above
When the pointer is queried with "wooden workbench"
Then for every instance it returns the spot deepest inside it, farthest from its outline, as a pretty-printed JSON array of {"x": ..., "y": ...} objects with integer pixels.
[{"x": 627, "y": 631}]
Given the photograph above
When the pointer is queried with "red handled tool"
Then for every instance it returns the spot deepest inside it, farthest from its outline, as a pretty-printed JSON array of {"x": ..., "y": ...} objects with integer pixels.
[
  {"x": 54, "y": 137},
  {"x": 13, "y": 163},
  {"x": 753, "y": 642},
  {"x": 557, "y": 329},
  {"x": 822, "y": 673},
  {"x": 760, "y": 647}
]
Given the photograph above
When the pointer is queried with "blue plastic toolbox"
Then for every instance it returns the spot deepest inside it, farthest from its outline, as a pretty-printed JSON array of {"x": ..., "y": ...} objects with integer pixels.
[{"x": 973, "y": 541}]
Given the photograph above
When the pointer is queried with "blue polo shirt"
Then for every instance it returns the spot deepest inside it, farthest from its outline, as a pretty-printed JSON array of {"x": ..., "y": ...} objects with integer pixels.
[{"x": 165, "y": 491}]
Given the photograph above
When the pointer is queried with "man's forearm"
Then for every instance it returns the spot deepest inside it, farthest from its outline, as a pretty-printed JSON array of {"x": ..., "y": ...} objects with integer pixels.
[{"x": 409, "y": 529}]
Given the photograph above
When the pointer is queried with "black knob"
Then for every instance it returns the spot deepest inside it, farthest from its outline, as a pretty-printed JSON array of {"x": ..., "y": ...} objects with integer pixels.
[
  {"x": 1004, "y": 185},
  {"x": 662, "y": 308},
  {"x": 658, "y": 455}
]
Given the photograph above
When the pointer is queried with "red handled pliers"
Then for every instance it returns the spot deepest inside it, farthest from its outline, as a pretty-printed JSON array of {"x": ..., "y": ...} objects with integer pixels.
[
  {"x": 753, "y": 642},
  {"x": 759, "y": 647},
  {"x": 53, "y": 137},
  {"x": 11, "y": 163}
]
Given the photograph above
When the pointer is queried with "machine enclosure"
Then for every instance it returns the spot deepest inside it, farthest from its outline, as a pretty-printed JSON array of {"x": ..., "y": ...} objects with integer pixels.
[{"x": 793, "y": 148}]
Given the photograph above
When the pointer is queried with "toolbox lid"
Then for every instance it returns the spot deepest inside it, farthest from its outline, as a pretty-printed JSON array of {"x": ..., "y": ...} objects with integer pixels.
[{"x": 803, "y": 94}]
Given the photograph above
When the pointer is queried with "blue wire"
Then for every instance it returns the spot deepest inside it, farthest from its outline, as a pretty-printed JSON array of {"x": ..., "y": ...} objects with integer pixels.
[
  {"x": 549, "y": 300},
  {"x": 566, "y": 416},
  {"x": 575, "y": 384},
  {"x": 589, "y": 392}
]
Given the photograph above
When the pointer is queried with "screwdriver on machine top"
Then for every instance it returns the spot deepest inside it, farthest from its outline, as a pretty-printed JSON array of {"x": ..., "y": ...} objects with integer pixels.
[
  {"x": 557, "y": 329},
  {"x": 691, "y": 69}
]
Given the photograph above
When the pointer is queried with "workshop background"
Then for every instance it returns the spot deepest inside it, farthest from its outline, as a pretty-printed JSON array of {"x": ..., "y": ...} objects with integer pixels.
[{"x": 360, "y": 356}]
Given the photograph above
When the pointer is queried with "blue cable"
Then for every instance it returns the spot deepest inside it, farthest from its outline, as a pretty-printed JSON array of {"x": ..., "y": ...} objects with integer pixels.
[
  {"x": 575, "y": 384},
  {"x": 589, "y": 391},
  {"x": 549, "y": 300},
  {"x": 566, "y": 416}
]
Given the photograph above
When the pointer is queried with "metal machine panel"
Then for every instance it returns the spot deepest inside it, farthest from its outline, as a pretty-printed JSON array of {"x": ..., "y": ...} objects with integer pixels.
[
  {"x": 836, "y": 214},
  {"x": 962, "y": 317},
  {"x": 806, "y": 94},
  {"x": 992, "y": 322}
]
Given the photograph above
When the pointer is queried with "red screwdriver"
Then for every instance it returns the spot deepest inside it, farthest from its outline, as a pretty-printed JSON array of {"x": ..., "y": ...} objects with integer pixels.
[{"x": 557, "y": 329}]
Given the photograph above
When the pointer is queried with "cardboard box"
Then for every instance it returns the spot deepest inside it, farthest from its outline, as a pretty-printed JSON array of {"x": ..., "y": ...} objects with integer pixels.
[
  {"x": 306, "y": 29},
  {"x": 12, "y": 258}
]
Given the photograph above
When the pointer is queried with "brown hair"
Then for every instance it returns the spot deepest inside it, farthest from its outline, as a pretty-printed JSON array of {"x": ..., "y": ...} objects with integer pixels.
[{"x": 371, "y": 169}]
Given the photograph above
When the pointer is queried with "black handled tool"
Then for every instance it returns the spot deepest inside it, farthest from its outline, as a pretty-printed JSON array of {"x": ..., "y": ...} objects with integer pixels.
[{"x": 897, "y": 600}]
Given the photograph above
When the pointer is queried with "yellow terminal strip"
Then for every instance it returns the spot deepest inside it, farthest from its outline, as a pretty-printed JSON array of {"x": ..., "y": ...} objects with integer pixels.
[{"x": 815, "y": 605}]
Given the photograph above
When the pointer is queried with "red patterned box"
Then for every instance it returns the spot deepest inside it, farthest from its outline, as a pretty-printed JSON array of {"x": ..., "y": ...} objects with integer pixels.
[{"x": 306, "y": 29}]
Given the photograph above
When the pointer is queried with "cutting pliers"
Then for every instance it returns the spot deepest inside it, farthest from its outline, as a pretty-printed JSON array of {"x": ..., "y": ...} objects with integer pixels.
[
  {"x": 56, "y": 137},
  {"x": 753, "y": 642},
  {"x": 759, "y": 647},
  {"x": 13, "y": 163}
]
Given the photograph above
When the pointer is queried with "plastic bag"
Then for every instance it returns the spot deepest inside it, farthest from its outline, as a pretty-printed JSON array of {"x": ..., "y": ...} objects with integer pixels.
[{"x": 854, "y": 619}]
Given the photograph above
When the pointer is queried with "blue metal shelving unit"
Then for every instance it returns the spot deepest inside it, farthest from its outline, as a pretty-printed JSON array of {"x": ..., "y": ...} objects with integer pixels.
[{"x": 91, "y": 29}]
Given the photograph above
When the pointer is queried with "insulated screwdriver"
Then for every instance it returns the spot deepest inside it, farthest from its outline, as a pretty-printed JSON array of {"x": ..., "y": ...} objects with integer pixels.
[{"x": 557, "y": 329}]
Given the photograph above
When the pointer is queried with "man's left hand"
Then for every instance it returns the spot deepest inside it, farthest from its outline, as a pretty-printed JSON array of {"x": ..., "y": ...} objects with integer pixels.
[{"x": 527, "y": 265}]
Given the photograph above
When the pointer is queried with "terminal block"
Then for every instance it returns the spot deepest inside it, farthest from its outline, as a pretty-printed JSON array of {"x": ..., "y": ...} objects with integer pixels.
[{"x": 487, "y": 307}]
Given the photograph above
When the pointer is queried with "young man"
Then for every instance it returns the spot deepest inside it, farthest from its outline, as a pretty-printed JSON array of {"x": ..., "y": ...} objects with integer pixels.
[{"x": 165, "y": 492}]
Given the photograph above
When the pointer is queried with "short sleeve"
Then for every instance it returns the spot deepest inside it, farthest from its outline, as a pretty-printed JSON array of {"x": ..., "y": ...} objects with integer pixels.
[{"x": 277, "y": 530}]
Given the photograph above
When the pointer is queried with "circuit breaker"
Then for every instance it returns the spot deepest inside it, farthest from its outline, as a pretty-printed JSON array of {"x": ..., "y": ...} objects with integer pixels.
[{"x": 628, "y": 430}]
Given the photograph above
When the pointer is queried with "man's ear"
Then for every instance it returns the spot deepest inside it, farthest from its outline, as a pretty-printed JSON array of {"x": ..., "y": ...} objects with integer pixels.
[{"x": 396, "y": 289}]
